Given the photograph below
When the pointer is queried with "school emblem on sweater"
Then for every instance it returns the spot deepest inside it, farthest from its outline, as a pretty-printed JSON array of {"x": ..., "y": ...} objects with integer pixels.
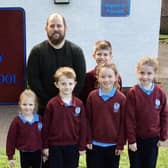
[
  {"x": 77, "y": 111},
  {"x": 116, "y": 107},
  {"x": 39, "y": 126},
  {"x": 157, "y": 103}
]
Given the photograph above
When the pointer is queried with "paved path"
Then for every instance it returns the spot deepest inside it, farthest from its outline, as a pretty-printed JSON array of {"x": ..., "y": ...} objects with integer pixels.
[{"x": 7, "y": 113}]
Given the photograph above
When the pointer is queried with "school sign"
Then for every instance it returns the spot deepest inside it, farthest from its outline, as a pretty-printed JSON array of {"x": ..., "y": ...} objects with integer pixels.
[{"x": 12, "y": 54}]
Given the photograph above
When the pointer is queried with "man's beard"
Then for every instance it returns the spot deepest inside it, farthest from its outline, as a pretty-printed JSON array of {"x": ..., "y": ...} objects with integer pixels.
[{"x": 58, "y": 40}]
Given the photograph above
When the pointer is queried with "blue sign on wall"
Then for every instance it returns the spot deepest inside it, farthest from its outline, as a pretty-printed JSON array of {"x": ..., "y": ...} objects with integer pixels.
[{"x": 115, "y": 8}]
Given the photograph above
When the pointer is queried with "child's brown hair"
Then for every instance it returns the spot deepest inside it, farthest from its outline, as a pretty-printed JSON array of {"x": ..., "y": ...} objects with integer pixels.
[
  {"x": 66, "y": 71},
  {"x": 110, "y": 66},
  {"x": 102, "y": 45},
  {"x": 150, "y": 61},
  {"x": 29, "y": 93}
]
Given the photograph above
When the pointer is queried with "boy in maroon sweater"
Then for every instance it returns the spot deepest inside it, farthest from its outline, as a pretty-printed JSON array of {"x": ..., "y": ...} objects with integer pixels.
[
  {"x": 102, "y": 54},
  {"x": 146, "y": 116},
  {"x": 25, "y": 133},
  {"x": 64, "y": 130},
  {"x": 105, "y": 113}
]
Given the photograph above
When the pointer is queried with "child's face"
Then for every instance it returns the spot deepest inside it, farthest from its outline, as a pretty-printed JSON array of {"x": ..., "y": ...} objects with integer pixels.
[
  {"x": 146, "y": 75},
  {"x": 106, "y": 79},
  {"x": 27, "y": 105},
  {"x": 65, "y": 85},
  {"x": 102, "y": 57}
]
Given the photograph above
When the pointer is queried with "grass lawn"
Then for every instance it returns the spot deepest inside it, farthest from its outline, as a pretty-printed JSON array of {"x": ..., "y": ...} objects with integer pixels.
[
  {"x": 161, "y": 163},
  {"x": 163, "y": 38}
]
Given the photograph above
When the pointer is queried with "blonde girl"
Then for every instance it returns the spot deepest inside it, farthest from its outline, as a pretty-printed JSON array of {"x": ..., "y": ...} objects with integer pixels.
[
  {"x": 25, "y": 133},
  {"x": 146, "y": 116}
]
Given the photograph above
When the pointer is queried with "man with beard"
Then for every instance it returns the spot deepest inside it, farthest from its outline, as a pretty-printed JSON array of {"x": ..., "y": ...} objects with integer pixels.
[{"x": 45, "y": 58}]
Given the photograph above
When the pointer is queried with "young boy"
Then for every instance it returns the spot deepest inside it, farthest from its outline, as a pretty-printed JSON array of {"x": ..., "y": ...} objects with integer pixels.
[
  {"x": 146, "y": 116},
  {"x": 102, "y": 54},
  {"x": 64, "y": 128}
]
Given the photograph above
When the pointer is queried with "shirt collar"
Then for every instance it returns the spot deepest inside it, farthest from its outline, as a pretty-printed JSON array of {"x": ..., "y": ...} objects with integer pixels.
[
  {"x": 57, "y": 46},
  {"x": 106, "y": 96},
  {"x": 147, "y": 91},
  {"x": 23, "y": 119},
  {"x": 72, "y": 103}
]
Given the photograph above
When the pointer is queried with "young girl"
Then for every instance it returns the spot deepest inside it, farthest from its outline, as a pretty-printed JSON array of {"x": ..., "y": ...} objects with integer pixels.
[
  {"x": 25, "y": 133},
  {"x": 64, "y": 132},
  {"x": 105, "y": 114},
  {"x": 146, "y": 116}
]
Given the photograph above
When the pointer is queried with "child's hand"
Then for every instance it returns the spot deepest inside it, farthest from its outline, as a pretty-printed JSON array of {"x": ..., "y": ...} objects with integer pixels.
[
  {"x": 161, "y": 143},
  {"x": 118, "y": 151},
  {"x": 82, "y": 152},
  {"x": 89, "y": 146},
  {"x": 45, "y": 152},
  {"x": 45, "y": 158},
  {"x": 12, "y": 163},
  {"x": 133, "y": 147}
]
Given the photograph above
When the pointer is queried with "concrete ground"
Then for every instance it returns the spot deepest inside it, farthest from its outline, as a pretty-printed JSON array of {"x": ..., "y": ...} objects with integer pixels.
[
  {"x": 7, "y": 113},
  {"x": 163, "y": 65}
]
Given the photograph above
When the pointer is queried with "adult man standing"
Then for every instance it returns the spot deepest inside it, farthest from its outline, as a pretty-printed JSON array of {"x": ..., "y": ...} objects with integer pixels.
[{"x": 45, "y": 58}]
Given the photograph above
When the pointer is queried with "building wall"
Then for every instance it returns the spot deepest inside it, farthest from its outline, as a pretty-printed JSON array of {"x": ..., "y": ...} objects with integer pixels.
[
  {"x": 132, "y": 37},
  {"x": 164, "y": 8},
  {"x": 164, "y": 17}
]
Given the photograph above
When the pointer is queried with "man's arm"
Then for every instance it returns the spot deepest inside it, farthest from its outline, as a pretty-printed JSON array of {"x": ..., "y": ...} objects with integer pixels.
[
  {"x": 33, "y": 75},
  {"x": 79, "y": 66}
]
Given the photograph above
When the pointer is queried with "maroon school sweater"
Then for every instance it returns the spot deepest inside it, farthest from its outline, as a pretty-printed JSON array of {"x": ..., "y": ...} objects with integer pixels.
[
  {"x": 146, "y": 115},
  {"x": 23, "y": 136},
  {"x": 106, "y": 118},
  {"x": 64, "y": 125},
  {"x": 91, "y": 84}
]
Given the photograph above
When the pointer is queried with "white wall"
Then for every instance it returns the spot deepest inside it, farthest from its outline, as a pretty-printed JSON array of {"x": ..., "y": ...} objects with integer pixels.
[{"x": 132, "y": 37}]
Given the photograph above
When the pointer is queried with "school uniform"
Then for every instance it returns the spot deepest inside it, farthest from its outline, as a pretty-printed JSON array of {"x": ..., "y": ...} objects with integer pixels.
[
  {"x": 91, "y": 84},
  {"x": 105, "y": 114},
  {"x": 64, "y": 132},
  {"x": 26, "y": 137},
  {"x": 147, "y": 123}
]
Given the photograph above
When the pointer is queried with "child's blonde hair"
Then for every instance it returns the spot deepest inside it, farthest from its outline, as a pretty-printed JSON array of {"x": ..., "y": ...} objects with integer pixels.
[
  {"x": 110, "y": 66},
  {"x": 102, "y": 45},
  {"x": 66, "y": 71},
  {"x": 150, "y": 61},
  {"x": 29, "y": 93}
]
